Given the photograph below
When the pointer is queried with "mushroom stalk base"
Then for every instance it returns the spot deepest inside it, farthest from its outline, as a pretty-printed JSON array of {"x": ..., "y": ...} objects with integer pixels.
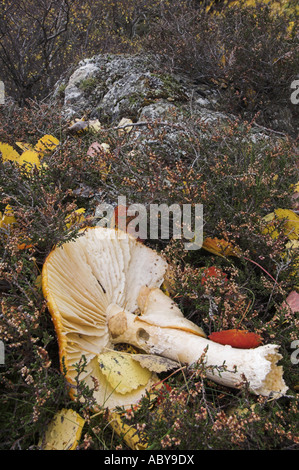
[{"x": 224, "y": 364}]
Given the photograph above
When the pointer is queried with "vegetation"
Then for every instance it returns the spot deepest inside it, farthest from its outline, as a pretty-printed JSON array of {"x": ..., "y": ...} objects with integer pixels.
[
  {"x": 248, "y": 49},
  {"x": 238, "y": 176}
]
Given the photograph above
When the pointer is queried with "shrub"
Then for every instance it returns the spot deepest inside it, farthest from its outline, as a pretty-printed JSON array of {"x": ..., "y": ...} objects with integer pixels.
[
  {"x": 41, "y": 40},
  {"x": 239, "y": 177},
  {"x": 248, "y": 50}
]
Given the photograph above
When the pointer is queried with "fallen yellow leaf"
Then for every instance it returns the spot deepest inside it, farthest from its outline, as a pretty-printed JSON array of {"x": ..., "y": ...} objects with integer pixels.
[
  {"x": 94, "y": 125},
  {"x": 8, "y": 153},
  {"x": 29, "y": 158},
  {"x": 64, "y": 431},
  {"x": 128, "y": 433},
  {"x": 124, "y": 122},
  {"x": 46, "y": 143},
  {"x": 75, "y": 218},
  {"x": 8, "y": 217},
  {"x": 31, "y": 155},
  {"x": 220, "y": 247},
  {"x": 155, "y": 363},
  {"x": 122, "y": 372},
  {"x": 24, "y": 146},
  {"x": 289, "y": 221}
]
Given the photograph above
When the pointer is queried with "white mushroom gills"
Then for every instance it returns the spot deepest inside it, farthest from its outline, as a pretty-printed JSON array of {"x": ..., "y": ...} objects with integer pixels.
[{"x": 80, "y": 279}]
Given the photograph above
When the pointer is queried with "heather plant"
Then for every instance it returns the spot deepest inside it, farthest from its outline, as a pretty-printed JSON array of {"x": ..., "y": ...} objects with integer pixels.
[
  {"x": 236, "y": 172},
  {"x": 249, "y": 50},
  {"x": 239, "y": 175},
  {"x": 192, "y": 413},
  {"x": 40, "y": 41}
]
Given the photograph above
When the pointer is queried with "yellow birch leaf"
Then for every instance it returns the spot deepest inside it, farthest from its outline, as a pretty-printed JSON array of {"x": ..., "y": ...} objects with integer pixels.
[
  {"x": 155, "y": 363},
  {"x": 290, "y": 223},
  {"x": 94, "y": 125},
  {"x": 292, "y": 248},
  {"x": 294, "y": 187},
  {"x": 292, "y": 245},
  {"x": 64, "y": 431},
  {"x": 122, "y": 372},
  {"x": 270, "y": 228},
  {"x": 128, "y": 433},
  {"x": 75, "y": 218},
  {"x": 29, "y": 158},
  {"x": 9, "y": 153},
  {"x": 78, "y": 127},
  {"x": 24, "y": 146},
  {"x": 105, "y": 147},
  {"x": 8, "y": 217},
  {"x": 124, "y": 122},
  {"x": 46, "y": 143},
  {"x": 220, "y": 247}
]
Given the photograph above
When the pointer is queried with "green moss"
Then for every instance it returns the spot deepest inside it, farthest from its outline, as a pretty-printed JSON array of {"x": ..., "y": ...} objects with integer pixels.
[
  {"x": 61, "y": 90},
  {"x": 89, "y": 84},
  {"x": 170, "y": 89}
]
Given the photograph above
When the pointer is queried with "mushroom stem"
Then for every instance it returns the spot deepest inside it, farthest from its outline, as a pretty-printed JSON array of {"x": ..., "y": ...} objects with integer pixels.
[{"x": 224, "y": 364}]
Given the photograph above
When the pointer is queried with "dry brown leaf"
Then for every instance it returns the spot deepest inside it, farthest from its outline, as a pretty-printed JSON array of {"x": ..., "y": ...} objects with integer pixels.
[{"x": 154, "y": 363}]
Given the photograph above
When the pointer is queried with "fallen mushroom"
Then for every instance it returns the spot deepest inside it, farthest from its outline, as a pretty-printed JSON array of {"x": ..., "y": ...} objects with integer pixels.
[
  {"x": 104, "y": 288},
  {"x": 156, "y": 332},
  {"x": 237, "y": 338},
  {"x": 80, "y": 280}
]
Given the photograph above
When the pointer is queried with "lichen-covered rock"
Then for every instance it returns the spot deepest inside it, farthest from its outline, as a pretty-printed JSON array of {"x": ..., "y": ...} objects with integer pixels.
[
  {"x": 111, "y": 87},
  {"x": 162, "y": 107}
]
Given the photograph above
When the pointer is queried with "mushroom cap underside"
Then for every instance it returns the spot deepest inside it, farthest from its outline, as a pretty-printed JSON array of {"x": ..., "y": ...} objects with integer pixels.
[{"x": 81, "y": 278}]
